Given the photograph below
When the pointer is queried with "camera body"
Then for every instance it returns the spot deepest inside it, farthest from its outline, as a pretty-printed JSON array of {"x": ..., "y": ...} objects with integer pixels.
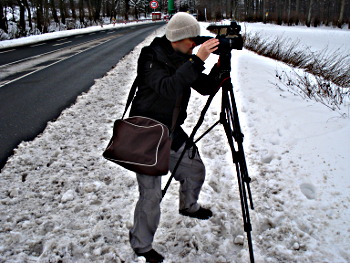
[{"x": 228, "y": 35}]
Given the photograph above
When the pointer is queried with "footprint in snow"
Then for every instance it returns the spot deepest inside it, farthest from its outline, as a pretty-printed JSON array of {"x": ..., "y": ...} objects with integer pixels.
[
  {"x": 267, "y": 156},
  {"x": 308, "y": 190}
]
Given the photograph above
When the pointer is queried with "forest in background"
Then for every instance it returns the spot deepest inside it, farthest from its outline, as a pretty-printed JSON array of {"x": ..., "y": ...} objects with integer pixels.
[
  {"x": 20, "y": 18},
  {"x": 290, "y": 12}
]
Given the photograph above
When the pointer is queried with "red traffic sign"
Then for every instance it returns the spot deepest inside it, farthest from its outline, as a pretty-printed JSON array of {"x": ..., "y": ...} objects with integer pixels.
[{"x": 154, "y": 4}]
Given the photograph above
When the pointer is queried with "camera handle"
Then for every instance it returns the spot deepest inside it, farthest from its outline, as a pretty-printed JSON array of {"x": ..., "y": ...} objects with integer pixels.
[{"x": 230, "y": 120}]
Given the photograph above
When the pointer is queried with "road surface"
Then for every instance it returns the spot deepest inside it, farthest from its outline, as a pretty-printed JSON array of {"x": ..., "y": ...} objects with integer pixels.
[{"x": 38, "y": 81}]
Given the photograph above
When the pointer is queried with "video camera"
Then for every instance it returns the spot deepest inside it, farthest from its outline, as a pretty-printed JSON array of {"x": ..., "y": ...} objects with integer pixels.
[{"x": 231, "y": 39}]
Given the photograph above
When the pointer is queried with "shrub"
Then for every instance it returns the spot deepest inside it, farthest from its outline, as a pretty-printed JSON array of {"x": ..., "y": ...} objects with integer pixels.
[{"x": 323, "y": 76}]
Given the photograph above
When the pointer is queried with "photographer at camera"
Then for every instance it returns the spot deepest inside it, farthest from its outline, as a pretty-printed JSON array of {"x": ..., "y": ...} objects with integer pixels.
[{"x": 167, "y": 70}]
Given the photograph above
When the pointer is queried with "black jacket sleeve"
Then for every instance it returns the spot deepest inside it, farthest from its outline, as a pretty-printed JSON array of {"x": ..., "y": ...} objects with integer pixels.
[
  {"x": 157, "y": 75},
  {"x": 208, "y": 84}
]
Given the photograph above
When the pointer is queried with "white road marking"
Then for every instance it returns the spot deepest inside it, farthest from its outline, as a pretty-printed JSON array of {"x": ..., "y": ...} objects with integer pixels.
[
  {"x": 57, "y": 56},
  {"x": 60, "y": 44},
  {"x": 38, "y": 44},
  {"x": 7, "y": 51}
]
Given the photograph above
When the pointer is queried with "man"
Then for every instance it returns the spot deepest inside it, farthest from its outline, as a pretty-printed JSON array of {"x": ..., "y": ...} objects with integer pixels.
[{"x": 167, "y": 70}]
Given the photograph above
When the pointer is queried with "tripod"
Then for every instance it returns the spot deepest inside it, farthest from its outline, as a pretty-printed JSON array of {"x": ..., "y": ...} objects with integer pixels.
[{"x": 230, "y": 121}]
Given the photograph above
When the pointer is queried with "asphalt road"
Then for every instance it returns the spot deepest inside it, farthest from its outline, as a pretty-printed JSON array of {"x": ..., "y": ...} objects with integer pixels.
[{"x": 38, "y": 81}]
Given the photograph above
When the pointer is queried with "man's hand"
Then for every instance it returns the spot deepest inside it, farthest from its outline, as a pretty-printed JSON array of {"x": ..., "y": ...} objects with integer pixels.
[{"x": 207, "y": 48}]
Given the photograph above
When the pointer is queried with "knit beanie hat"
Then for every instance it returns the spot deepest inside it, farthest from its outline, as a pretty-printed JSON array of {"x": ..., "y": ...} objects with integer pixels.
[{"x": 182, "y": 25}]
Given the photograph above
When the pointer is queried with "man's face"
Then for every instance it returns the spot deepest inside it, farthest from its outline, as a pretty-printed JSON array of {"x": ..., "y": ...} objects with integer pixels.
[{"x": 184, "y": 46}]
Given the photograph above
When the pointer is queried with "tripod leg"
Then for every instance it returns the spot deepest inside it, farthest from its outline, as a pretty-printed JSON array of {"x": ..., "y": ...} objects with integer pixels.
[
  {"x": 189, "y": 142},
  {"x": 174, "y": 172},
  {"x": 230, "y": 121}
]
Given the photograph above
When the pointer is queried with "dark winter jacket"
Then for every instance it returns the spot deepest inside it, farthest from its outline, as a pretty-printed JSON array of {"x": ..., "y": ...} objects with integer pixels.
[{"x": 163, "y": 76}]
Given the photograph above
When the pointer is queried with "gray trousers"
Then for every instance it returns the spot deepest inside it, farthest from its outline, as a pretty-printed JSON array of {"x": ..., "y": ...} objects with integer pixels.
[{"x": 190, "y": 174}]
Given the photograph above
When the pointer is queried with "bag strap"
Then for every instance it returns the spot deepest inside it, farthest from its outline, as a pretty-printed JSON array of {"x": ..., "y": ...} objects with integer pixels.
[{"x": 131, "y": 96}]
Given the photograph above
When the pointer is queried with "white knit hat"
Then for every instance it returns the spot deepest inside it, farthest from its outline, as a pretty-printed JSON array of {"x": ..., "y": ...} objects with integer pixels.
[{"x": 182, "y": 25}]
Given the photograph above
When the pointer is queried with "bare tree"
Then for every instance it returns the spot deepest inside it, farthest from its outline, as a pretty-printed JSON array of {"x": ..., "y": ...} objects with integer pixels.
[
  {"x": 81, "y": 11},
  {"x": 39, "y": 15},
  {"x": 54, "y": 11},
  {"x": 289, "y": 11},
  {"x": 126, "y": 9},
  {"x": 135, "y": 6},
  {"x": 22, "y": 21},
  {"x": 46, "y": 16},
  {"x": 3, "y": 19},
  {"x": 234, "y": 8},
  {"x": 62, "y": 7},
  {"x": 341, "y": 14},
  {"x": 309, "y": 13},
  {"x": 97, "y": 9},
  {"x": 279, "y": 8},
  {"x": 248, "y": 10},
  {"x": 72, "y": 7},
  {"x": 297, "y": 7},
  {"x": 264, "y": 11}
]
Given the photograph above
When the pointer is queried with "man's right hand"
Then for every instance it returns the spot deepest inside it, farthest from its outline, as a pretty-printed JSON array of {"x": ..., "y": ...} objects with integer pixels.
[{"x": 207, "y": 48}]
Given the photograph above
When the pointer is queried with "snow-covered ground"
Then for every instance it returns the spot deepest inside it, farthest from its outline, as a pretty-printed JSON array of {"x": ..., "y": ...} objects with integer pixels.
[
  {"x": 313, "y": 39},
  {"x": 62, "y": 202}
]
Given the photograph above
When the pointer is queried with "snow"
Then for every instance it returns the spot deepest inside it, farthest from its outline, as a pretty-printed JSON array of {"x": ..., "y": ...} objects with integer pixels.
[
  {"x": 62, "y": 202},
  {"x": 315, "y": 39}
]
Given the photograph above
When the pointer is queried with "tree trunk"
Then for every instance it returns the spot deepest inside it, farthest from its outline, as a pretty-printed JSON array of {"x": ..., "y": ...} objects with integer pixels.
[
  {"x": 72, "y": 7},
  {"x": 54, "y": 11},
  {"x": 112, "y": 7},
  {"x": 279, "y": 12},
  {"x": 81, "y": 11},
  {"x": 326, "y": 11},
  {"x": 126, "y": 11},
  {"x": 297, "y": 14},
  {"x": 39, "y": 15},
  {"x": 47, "y": 17},
  {"x": 22, "y": 21},
  {"x": 256, "y": 10},
  {"x": 289, "y": 19},
  {"x": 308, "y": 21},
  {"x": 316, "y": 14},
  {"x": 341, "y": 14},
  {"x": 63, "y": 11},
  {"x": 236, "y": 10},
  {"x": 29, "y": 13},
  {"x": 97, "y": 8},
  {"x": 263, "y": 10},
  {"x": 3, "y": 20},
  {"x": 89, "y": 9}
]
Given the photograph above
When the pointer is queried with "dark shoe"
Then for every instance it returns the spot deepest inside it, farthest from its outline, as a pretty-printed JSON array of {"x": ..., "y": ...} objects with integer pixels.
[
  {"x": 151, "y": 256},
  {"x": 202, "y": 213}
]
